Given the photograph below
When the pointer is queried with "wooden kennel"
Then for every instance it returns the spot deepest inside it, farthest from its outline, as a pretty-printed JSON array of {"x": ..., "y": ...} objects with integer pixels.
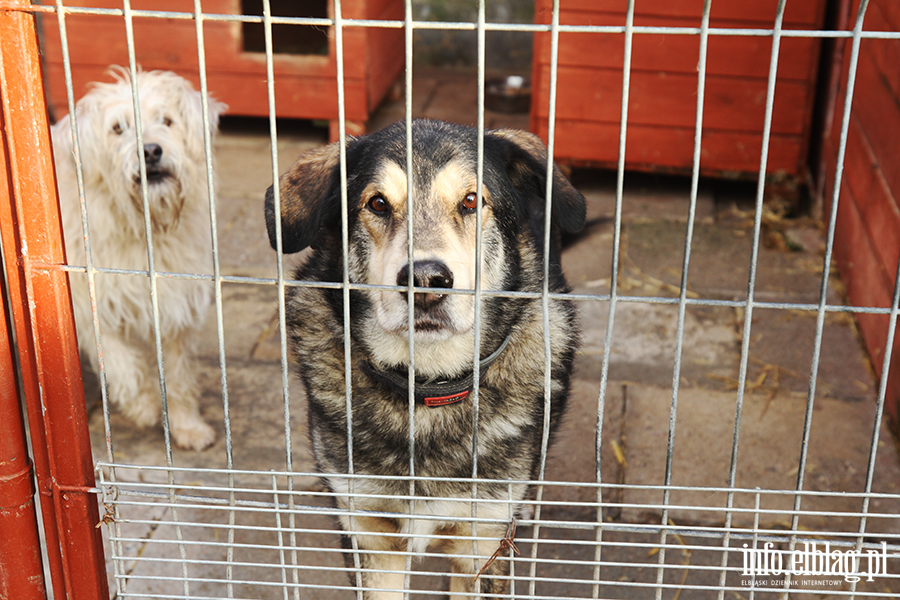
[
  {"x": 304, "y": 55},
  {"x": 663, "y": 87}
]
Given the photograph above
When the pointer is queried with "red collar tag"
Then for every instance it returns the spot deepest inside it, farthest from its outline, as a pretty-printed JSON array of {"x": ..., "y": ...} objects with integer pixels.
[{"x": 444, "y": 400}]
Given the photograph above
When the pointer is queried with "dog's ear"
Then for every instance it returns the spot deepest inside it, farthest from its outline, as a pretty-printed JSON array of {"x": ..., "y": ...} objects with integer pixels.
[
  {"x": 61, "y": 134},
  {"x": 307, "y": 193},
  {"x": 526, "y": 162},
  {"x": 87, "y": 115},
  {"x": 189, "y": 103},
  {"x": 216, "y": 109}
]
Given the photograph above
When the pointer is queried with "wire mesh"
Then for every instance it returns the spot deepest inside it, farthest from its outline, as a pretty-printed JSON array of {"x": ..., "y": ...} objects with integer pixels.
[
  {"x": 238, "y": 533},
  {"x": 260, "y": 532}
]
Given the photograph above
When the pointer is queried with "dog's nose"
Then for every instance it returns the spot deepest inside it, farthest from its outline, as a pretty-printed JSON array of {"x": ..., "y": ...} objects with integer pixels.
[
  {"x": 427, "y": 273},
  {"x": 152, "y": 153}
]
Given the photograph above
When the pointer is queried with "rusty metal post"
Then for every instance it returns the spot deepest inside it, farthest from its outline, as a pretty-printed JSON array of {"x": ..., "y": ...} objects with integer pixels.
[
  {"x": 21, "y": 572},
  {"x": 41, "y": 316}
]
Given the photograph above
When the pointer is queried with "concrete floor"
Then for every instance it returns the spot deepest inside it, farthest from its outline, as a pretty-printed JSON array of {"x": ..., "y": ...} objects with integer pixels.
[{"x": 636, "y": 411}]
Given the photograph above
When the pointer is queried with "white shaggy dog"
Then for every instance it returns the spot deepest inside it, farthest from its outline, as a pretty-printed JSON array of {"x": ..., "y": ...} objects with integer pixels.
[{"x": 177, "y": 194}]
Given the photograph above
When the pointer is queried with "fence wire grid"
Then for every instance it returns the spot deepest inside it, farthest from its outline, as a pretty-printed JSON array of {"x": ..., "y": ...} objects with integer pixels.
[{"x": 235, "y": 533}]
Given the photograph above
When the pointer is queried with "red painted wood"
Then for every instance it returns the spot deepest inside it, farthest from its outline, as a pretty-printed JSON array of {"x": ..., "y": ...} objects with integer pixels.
[
  {"x": 742, "y": 56},
  {"x": 885, "y": 53},
  {"x": 891, "y": 12},
  {"x": 663, "y": 92},
  {"x": 669, "y": 100},
  {"x": 864, "y": 280},
  {"x": 41, "y": 314},
  {"x": 381, "y": 71},
  {"x": 305, "y": 86},
  {"x": 669, "y": 148},
  {"x": 759, "y": 12},
  {"x": 867, "y": 232},
  {"x": 878, "y": 110},
  {"x": 874, "y": 203},
  {"x": 20, "y": 544}
]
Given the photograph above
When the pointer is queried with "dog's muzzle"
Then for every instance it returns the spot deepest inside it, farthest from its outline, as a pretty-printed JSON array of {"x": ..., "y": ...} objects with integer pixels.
[
  {"x": 427, "y": 274},
  {"x": 431, "y": 312},
  {"x": 153, "y": 154}
]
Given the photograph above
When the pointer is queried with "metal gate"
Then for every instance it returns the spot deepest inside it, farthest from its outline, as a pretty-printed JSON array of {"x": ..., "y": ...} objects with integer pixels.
[{"x": 191, "y": 526}]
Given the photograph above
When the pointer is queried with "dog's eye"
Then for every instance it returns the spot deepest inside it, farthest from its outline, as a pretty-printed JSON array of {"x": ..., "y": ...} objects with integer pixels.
[
  {"x": 378, "y": 205},
  {"x": 117, "y": 129},
  {"x": 167, "y": 121},
  {"x": 469, "y": 203}
]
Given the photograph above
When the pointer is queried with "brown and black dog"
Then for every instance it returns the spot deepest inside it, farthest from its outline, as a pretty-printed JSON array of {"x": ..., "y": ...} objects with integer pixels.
[{"x": 512, "y": 402}]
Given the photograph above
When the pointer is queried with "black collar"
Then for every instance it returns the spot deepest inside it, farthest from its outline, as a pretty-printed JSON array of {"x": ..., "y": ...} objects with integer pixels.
[{"x": 429, "y": 392}]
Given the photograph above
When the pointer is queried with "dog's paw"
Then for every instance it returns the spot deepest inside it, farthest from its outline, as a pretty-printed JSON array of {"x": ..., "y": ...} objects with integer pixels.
[
  {"x": 192, "y": 433},
  {"x": 142, "y": 410}
]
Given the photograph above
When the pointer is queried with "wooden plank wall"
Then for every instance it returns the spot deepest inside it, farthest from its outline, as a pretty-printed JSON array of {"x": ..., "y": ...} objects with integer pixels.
[
  {"x": 663, "y": 93},
  {"x": 867, "y": 230},
  {"x": 306, "y": 86}
]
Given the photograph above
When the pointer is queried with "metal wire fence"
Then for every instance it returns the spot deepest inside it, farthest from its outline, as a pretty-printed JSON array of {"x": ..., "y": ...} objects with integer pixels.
[{"x": 275, "y": 538}]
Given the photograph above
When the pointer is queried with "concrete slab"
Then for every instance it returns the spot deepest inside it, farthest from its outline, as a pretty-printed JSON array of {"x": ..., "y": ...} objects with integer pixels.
[
  {"x": 243, "y": 153},
  {"x": 572, "y": 459},
  {"x": 188, "y": 551},
  {"x": 132, "y": 538},
  {"x": 645, "y": 196},
  {"x": 786, "y": 367},
  {"x": 629, "y": 564},
  {"x": 771, "y": 434},
  {"x": 720, "y": 264},
  {"x": 643, "y": 343}
]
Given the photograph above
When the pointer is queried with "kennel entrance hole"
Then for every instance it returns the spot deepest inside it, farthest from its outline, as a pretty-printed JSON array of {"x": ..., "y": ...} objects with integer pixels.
[{"x": 286, "y": 38}]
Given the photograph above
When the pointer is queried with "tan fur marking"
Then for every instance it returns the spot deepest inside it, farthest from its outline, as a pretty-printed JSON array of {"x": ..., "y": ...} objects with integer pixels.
[
  {"x": 453, "y": 182},
  {"x": 390, "y": 183}
]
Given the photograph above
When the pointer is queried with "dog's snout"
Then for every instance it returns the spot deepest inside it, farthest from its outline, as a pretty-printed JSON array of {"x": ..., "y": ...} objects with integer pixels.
[
  {"x": 152, "y": 153},
  {"x": 427, "y": 273},
  {"x": 430, "y": 274}
]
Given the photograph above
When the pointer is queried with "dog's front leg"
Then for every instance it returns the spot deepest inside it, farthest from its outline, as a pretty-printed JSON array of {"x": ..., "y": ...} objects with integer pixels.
[
  {"x": 491, "y": 566},
  {"x": 381, "y": 564},
  {"x": 188, "y": 428},
  {"x": 126, "y": 377}
]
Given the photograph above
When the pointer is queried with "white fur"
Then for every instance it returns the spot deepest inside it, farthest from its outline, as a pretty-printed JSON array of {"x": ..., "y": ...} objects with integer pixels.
[{"x": 179, "y": 212}]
